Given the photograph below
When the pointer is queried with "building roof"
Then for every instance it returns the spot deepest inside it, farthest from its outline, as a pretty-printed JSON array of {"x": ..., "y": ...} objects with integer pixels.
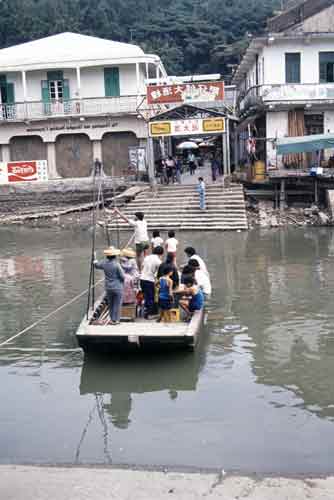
[
  {"x": 296, "y": 13},
  {"x": 68, "y": 50}
]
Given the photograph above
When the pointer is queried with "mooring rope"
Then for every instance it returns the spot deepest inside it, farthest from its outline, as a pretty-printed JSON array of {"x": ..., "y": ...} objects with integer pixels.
[{"x": 30, "y": 327}]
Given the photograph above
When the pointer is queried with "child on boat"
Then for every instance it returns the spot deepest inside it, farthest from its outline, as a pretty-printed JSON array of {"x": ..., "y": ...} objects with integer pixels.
[
  {"x": 171, "y": 244},
  {"x": 195, "y": 301},
  {"x": 156, "y": 241},
  {"x": 166, "y": 294}
]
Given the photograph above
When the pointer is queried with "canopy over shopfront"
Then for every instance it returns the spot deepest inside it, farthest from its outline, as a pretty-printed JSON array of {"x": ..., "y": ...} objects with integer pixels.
[
  {"x": 304, "y": 144},
  {"x": 186, "y": 122}
]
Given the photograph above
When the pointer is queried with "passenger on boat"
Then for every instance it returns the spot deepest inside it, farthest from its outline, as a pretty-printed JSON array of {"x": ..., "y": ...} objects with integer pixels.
[
  {"x": 131, "y": 276},
  {"x": 187, "y": 272},
  {"x": 171, "y": 244},
  {"x": 201, "y": 278},
  {"x": 114, "y": 282},
  {"x": 169, "y": 263},
  {"x": 166, "y": 294},
  {"x": 147, "y": 279},
  {"x": 191, "y": 254},
  {"x": 157, "y": 241},
  {"x": 195, "y": 302},
  {"x": 141, "y": 234}
]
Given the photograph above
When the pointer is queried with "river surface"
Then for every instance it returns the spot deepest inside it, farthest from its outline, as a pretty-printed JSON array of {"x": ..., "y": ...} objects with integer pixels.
[{"x": 256, "y": 396}]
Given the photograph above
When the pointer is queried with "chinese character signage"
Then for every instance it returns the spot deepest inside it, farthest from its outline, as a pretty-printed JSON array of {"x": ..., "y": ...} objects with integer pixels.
[
  {"x": 188, "y": 92},
  {"x": 22, "y": 171},
  {"x": 192, "y": 126}
]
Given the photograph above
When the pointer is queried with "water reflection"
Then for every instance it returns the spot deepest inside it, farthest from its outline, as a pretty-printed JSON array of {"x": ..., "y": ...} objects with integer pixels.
[{"x": 119, "y": 378}]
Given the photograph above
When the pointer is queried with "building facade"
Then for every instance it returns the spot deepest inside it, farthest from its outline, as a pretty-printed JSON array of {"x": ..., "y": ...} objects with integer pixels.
[
  {"x": 285, "y": 80},
  {"x": 70, "y": 98}
]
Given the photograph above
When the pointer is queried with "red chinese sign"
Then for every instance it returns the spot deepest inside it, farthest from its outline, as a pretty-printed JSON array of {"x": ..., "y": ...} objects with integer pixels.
[
  {"x": 187, "y": 92},
  {"x": 22, "y": 171}
]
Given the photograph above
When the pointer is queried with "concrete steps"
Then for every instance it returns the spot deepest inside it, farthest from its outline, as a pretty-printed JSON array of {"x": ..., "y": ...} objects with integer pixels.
[{"x": 177, "y": 207}]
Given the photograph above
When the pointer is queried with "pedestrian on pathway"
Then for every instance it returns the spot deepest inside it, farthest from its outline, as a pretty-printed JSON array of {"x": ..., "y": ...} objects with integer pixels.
[
  {"x": 201, "y": 192},
  {"x": 192, "y": 164},
  {"x": 214, "y": 168},
  {"x": 178, "y": 170},
  {"x": 170, "y": 166},
  {"x": 114, "y": 282}
]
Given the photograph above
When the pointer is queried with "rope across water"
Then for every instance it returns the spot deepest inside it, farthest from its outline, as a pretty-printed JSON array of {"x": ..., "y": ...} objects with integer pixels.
[{"x": 49, "y": 315}]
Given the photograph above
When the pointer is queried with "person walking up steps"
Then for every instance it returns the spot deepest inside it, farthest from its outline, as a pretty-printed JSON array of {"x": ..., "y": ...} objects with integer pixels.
[{"x": 201, "y": 192}]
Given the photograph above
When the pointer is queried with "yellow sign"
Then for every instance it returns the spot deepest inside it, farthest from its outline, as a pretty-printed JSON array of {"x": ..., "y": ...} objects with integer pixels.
[
  {"x": 214, "y": 125},
  {"x": 160, "y": 128}
]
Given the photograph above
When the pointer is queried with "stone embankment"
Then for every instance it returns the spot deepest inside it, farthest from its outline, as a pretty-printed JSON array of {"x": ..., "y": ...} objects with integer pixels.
[
  {"x": 262, "y": 214},
  {"x": 75, "y": 483},
  {"x": 34, "y": 202}
]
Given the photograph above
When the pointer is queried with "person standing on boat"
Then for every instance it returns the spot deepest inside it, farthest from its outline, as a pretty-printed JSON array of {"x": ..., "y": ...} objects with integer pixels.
[
  {"x": 131, "y": 276},
  {"x": 114, "y": 282},
  {"x": 147, "y": 280},
  {"x": 141, "y": 234},
  {"x": 166, "y": 293}
]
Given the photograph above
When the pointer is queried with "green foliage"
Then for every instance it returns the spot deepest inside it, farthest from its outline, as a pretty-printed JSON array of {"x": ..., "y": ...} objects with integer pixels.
[{"x": 191, "y": 36}]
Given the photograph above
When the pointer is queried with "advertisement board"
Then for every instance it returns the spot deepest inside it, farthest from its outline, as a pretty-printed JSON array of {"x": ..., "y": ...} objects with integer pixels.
[
  {"x": 137, "y": 158},
  {"x": 23, "y": 171},
  {"x": 191, "y": 126},
  {"x": 188, "y": 92}
]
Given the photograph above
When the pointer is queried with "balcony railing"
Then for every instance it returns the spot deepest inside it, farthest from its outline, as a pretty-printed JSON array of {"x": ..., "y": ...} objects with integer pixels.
[
  {"x": 39, "y": 110},
  {"x": 299, "y": 92}
]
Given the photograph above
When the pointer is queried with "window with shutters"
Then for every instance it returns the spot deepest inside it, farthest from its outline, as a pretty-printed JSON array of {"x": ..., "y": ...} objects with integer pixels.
[
  {"x": 292, "y": 67},
  {"x": 326, "y": 67},
  {"x": 56, "y": 90}
]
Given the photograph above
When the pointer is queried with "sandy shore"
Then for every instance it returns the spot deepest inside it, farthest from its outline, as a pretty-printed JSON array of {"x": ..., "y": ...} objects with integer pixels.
[{"x": 74, "y": 483}]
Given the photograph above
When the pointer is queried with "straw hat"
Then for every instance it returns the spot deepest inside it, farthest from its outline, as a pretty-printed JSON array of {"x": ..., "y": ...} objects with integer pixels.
[
  {"x": 128, "y": 252},
  {"x": 111, "y": 252}
]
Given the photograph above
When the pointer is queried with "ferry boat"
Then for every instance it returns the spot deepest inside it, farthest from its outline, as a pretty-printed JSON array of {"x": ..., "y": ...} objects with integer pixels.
[{"x": 97, "y": 334}]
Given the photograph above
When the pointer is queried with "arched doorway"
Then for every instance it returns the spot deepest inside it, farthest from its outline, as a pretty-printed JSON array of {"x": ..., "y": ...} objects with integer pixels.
[
  {"x": 115, "y": 152},
  {"x": 27, "y": 148},
  {"x": 74, "y": 155}
]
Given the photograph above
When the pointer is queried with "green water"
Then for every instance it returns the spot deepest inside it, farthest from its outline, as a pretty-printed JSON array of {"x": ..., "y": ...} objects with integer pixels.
[{"x": 257, "y": 395}]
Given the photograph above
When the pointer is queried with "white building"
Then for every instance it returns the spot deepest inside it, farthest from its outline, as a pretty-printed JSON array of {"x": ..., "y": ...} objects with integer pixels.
[
  {"x": 70, "y": 98},
  {"x": 286, "y": 78}
]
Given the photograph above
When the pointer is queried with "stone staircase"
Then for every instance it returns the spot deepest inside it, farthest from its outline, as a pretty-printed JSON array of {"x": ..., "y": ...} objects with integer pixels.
[{"x": 177, "y": 207}]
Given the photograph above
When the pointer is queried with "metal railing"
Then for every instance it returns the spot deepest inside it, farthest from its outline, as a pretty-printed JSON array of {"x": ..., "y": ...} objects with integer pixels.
[
  {"x": 38, "y": 110},
  {"x": 263, "y": 94}
]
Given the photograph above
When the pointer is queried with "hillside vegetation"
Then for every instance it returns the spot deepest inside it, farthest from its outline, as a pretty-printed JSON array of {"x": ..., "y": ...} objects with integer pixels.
[{"x": 191, "y": 36}]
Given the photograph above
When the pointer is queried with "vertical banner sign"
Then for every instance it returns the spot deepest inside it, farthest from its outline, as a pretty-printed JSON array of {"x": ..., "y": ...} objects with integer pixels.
[{"x": 23, "y": 171}]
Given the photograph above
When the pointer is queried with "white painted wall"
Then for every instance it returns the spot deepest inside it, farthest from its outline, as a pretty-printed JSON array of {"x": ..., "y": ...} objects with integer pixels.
[
  {"x": 274, "y": 61},
  {"x": 92, "y": 82},
  {"x": 277, "y": 126}
]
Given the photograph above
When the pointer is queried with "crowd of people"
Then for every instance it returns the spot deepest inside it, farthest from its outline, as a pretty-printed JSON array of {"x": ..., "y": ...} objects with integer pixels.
[{"x": 150, "y": 278}]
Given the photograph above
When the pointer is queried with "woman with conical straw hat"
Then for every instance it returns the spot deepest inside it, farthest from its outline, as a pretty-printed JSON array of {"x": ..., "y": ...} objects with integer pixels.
[{"x": 114, "y": 282}]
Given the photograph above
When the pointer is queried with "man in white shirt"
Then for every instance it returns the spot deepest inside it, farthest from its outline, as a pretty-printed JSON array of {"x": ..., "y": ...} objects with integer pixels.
[
  {"x": 191, "y": 254},
  {"x": 201, "y": 278},
  {"x": 151, "y": 265},
  {"x": 141, "y": 234}
]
